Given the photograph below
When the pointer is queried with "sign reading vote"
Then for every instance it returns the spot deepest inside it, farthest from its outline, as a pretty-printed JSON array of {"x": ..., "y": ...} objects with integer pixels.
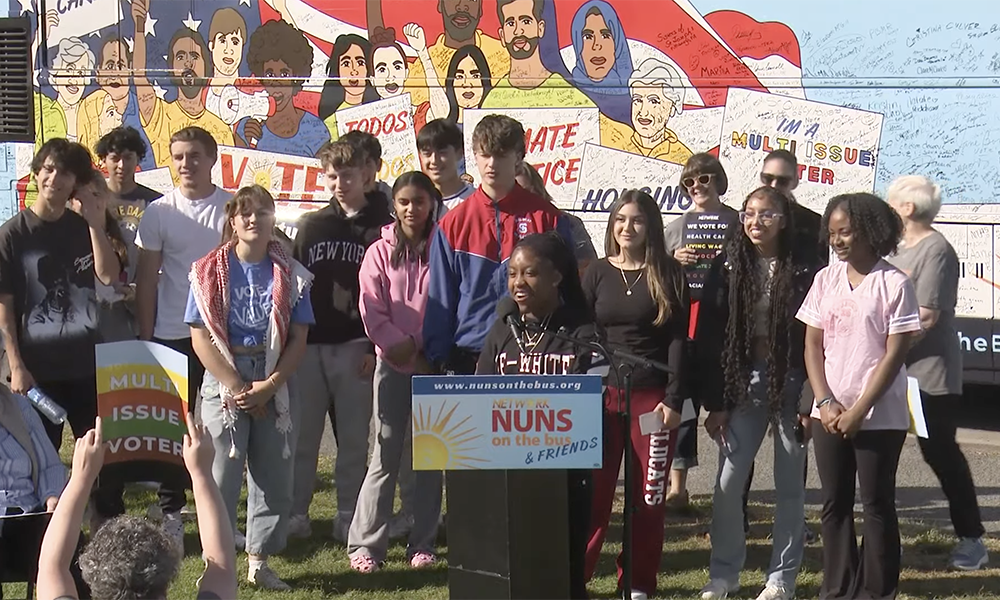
[
  {"x": 142, "y": 401},
  {"x": 507, "y": 422}
]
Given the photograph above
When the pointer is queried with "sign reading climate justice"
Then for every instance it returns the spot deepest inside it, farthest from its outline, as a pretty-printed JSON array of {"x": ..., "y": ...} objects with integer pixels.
[
  {"x": 836, "y": 147},
  {"x": 391, "y": 121},
  {"x": 507, "y": 422},
  {"x": 142, "y": 401}
]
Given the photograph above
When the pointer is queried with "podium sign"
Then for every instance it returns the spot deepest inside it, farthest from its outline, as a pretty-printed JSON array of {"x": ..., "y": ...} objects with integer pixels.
[{"x": 483, "y": 422}]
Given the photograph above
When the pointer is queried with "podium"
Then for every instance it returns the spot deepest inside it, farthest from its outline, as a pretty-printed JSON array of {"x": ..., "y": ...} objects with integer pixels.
[{"x": 505, "y": 443}]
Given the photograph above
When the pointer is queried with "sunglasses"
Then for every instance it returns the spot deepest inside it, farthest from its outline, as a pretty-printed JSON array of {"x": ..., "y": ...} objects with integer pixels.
[
  {"x": 705, "y": 179},
  {"x": 768, "y": 179},
  {"x": 765, "y": 216}
]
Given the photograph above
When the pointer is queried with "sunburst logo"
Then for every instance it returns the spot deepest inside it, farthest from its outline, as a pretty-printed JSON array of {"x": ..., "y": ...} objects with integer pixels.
[
  {"x": 265, "y": 174},
  {"x": 439, "y": 444}
]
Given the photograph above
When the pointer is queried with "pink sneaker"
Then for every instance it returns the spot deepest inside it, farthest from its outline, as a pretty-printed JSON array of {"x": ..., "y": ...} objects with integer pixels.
[
  {"x": 362, "y": 563},
  {"x": 422, "y": 560}
]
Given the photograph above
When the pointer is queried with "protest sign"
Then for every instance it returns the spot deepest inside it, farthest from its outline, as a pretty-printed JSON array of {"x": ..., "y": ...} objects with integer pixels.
[
  {"x": 705, "y": 233},
  {"x": 836, "y": 147},
  {"x": 142, "y": 400},
  {"x": 287, "y": 177},
  {"x": 554, "y": 140},
  {"x": 507, "y": 422},
  {"x": 391, "y": 121},
  {"x": 79, "y": 18},
  {"x": 156, "y": 179}
]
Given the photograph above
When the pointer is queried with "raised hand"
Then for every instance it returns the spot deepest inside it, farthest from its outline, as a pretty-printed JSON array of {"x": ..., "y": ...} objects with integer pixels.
[{"x": 415, "y": 36}]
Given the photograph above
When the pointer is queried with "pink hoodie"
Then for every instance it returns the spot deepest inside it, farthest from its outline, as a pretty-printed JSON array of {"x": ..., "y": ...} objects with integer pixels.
[{"x": 392, "y": 300}]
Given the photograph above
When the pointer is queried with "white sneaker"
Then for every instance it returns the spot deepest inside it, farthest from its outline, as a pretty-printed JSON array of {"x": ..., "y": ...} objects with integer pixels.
[
  {"x": 263, "y": 577},
  {"x": 299, "y": 527},
  {"x": 173, "y": 526},
  {"x": 774, "y": 591},
  {"x": 718, "y": 589},
  {"x": 637, "y": 595},
  {"x": 400, "y": 525},
  {"x": 240, "y": 539}
]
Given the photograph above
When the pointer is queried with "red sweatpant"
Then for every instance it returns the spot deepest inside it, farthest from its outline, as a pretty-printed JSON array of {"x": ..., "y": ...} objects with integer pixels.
[{"x": 651, "y": 457}]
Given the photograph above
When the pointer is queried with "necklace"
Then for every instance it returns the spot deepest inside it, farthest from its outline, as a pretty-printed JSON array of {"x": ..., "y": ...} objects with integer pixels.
[
  {"x": 533, "y": 340},
  {"x": 629, "y": 286}
]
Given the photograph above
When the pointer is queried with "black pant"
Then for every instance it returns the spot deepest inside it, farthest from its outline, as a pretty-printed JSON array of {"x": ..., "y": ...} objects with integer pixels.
[
  {"x": 172, "y": 498},
  {"x": 580, "y": 495},
  {"x": 79, "y": 398},
  {"x": 945, "y": 458},
  {"x": 21, "y": 543},
  {"x": 872, "y": 455}
]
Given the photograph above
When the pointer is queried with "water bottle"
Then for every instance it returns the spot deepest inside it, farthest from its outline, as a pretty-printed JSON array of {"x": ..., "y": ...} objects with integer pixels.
[{"x": 47, "y": 406}]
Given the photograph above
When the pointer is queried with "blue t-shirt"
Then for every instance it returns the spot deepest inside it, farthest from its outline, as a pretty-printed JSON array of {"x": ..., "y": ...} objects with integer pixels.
[
  {"x": 250, "y": 303},
  {"x": 307, "y": 141}
]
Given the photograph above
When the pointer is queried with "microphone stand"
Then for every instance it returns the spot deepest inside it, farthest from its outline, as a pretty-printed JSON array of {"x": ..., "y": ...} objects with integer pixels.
[{"x": 631, "y": 361}]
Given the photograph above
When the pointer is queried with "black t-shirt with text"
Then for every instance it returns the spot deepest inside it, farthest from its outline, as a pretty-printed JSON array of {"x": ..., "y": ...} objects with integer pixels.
[
  {"x": 543, "y": 354},
  {"x": 331, "y": 245},
  {"x": 48, "y": 268}
]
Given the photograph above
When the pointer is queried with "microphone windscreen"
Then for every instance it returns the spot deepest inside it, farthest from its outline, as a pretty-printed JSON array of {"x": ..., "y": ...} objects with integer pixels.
[{"x": 507, "y": 307}]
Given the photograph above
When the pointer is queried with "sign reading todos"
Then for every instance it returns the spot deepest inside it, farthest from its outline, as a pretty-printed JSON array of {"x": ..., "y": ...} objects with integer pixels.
[
  {"x": 142, "y": 401},
  {"x": 391, "y": 122},
  {"x": 507, "y": 422},
  {"x": 836, "y": 147},
  {"x": 554, "y": 140}
]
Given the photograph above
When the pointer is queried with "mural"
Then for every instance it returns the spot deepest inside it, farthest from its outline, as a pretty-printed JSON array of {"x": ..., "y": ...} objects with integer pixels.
[{"x": 613, "y": 93}]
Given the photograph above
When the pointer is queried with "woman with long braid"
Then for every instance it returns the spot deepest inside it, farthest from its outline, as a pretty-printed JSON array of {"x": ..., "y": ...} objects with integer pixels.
[{"x": 747, "y": 312}]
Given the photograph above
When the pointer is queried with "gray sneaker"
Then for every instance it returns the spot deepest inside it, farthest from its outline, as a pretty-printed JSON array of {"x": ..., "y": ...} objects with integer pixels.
[{"x": 969, "y": 555}]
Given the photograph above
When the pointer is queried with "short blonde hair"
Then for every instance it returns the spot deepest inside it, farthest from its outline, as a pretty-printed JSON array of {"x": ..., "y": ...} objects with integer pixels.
[
  {"x": 921, "y": 192},
  {"x": 656, "y": 73}
]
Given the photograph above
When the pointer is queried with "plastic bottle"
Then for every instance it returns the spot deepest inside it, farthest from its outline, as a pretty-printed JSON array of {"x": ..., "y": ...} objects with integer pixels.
[{"x": 47, "y": 406}]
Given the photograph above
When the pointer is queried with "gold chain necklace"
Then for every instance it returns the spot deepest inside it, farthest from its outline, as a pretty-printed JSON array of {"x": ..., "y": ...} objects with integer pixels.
[{"x": 533, "y": 341}]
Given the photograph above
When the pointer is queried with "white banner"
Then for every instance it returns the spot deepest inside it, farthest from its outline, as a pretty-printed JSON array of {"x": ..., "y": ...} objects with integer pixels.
[
  {"x": 285, "y": 176},
  {"x": 836, "y": 147},
  {"x": 391, "y": 121},
  {"x": 81, "y": 18},
  {"x": 554, "y": 141}
]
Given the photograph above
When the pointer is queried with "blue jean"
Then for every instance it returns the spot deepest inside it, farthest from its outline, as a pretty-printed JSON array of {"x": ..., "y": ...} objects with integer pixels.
[
  {"x": 260, "y": 446},
  {"x": 748, "y": 425}
]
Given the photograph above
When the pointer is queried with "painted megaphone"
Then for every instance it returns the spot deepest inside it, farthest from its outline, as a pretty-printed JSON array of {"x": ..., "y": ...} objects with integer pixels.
[{"x": 231, "y": 105}]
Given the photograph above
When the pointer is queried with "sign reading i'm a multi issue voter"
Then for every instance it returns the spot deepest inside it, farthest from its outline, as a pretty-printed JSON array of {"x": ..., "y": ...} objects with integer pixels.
[{"x": 507, "y": 422}]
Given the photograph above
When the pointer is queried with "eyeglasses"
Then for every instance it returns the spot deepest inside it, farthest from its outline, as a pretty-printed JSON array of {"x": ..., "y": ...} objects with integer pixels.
[
  {"x": 766, "y": 216},
  {"x": 703, "y": 179},
  {"x": 782, "y": 180}
]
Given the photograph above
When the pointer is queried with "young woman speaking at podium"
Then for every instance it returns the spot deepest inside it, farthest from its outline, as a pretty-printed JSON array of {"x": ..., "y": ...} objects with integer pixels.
[{"x": 543, "y": 280}]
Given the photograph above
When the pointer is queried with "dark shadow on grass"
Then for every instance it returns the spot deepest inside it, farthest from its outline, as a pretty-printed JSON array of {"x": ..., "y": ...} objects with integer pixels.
[{"x": 332, "y": 584}]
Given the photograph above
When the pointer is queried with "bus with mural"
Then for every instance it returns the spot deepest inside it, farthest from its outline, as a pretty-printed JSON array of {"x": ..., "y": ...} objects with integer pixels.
[{"x": 613, "y": 95}]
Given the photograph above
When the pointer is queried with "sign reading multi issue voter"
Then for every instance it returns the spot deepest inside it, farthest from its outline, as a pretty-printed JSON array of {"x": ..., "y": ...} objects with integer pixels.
[{"x": 507, "y": 422}]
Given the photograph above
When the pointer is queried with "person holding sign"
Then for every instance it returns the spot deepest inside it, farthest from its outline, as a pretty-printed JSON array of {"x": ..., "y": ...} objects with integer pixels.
[
  {"x": 861, "y": 317},
  {"x": 746, "y": 317},
  {"x": 393, "y": 296},
  {"x": 936, "y": 358},
  {"x": 544, "y": 282},
  {"x": 694, "y": 240},
  {"x": 639, "y": 296},
  {"x": 249, "y": 311}
]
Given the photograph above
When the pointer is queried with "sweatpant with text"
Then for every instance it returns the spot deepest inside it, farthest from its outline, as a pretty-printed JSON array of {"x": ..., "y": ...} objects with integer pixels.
[{"x": 651, "y": 456}]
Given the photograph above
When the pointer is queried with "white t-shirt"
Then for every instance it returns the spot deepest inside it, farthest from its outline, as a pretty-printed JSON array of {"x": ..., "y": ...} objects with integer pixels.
[
  {"x": 455, "y": 199},
  {"x": 184, "y": 231}
]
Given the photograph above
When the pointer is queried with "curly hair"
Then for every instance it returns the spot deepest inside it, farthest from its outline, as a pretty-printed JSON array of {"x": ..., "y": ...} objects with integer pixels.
[
  {"x": 277, "y": 40},
  {"x": 129, "y": 557},
  {"x": 746, "y": 285},
  {"x": 873, "y": 221},
  {"x": 120, "y": 140}
]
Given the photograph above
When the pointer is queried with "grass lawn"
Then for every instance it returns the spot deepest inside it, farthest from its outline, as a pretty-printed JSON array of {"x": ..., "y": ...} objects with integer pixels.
[{"x": 318, "y": 567}]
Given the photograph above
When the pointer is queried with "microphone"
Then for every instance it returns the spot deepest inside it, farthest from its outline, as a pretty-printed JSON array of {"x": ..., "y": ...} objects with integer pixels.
[{"x": 509, "y": 313}]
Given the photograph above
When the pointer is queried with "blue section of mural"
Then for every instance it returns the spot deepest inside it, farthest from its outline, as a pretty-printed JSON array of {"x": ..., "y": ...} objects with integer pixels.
[{"x": 932, "y": 68}]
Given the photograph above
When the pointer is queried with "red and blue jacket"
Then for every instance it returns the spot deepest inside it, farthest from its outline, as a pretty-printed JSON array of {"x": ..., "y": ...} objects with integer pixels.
[{"x": 468, "y": 265}]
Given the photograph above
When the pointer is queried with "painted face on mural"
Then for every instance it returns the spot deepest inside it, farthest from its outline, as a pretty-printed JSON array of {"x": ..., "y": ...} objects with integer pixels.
[
  {"x": 520, "y": 30},
  {"x": 353, "y": 68},
  {"x": 388, "y": 71},
  {"x": 277, "y": 82},
  {"x": 188, "y": 65},
  {"x": 468, "y": 84},
  {"x": 461, "y": 17},
  {"x": 598, "y": 53},
  {"x": 108, "y": 118},
  {"x": 72, "y": 79},
  {"x": 113, "y": 71},
  {"x": 650, "y": 112},
  {"x": 227, "y": 51}
]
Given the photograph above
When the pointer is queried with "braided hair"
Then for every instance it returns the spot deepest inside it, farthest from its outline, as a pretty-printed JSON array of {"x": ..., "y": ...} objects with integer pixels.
[
  {"x": 873, "y": 221},
  {"x": 552, "y": 247},
  {"x": 745, "y": 289}
]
